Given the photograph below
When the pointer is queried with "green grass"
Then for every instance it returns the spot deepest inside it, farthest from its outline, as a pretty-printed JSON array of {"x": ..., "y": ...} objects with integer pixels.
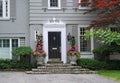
[{"x": 113, "y": 74}]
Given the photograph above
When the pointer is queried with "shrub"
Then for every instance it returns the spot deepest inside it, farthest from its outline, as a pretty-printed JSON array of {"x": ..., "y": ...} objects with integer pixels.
[
  {"x": 102, "y": 52},
  {"x": 114, "y": 65},
  {"x": 91, "y": 64},
  {"x": 98, "y": 65},
  {"x": 22, "y": 51},
  {"x": 104, "y": 49},
  {"x": 14, "y": 64}
]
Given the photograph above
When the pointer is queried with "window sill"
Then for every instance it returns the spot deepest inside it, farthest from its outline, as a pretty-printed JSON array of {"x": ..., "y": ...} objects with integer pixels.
[
  {"x": 2, "y": 19},
  {"x": 86, "y": 8},
  {"x": 54, "y": 8},
  {"x": 86, "y": 53}
]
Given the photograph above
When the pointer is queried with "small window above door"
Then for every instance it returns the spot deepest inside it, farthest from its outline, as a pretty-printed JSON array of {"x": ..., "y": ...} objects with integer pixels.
[{"x": 54, "y": 4}]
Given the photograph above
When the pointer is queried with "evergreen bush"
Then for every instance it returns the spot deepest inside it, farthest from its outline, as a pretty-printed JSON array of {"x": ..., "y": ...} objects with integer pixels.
[{"x": 99, "y": 65}]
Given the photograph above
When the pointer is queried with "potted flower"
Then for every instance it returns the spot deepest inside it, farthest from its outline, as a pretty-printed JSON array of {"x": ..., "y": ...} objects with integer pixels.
[
  {"x": 39, "y": 53},
  {"x": 72, "y": 53}
]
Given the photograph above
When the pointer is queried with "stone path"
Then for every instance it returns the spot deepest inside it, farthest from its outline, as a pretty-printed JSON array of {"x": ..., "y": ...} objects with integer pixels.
[{"x": 21, "y": 77}]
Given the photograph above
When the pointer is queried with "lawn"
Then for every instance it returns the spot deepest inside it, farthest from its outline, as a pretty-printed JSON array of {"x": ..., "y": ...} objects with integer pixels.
[{"x": 113, "y": 74}]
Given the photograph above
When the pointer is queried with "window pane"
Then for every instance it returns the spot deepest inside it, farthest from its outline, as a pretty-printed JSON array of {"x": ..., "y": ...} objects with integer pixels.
[
  {"x": 53, "y": 3},
  {"x": 85, "y": 45},
  {"x": 1, "y": 10},
  {"x": 0, "y": 43},
  {"x": 14, "y": 43},
  {"x": 84, "y": 3},
  {"x": 6, "y": 8},
  {"x": 6, "y": 43},
  {"x": 114, "y": 29}
]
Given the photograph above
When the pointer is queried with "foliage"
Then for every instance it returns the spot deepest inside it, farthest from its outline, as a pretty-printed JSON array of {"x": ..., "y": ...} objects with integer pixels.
[
  {"x": 108, "y": 12},
  {"x": 91, "y": 64},
  {"x": 103, "y": 49},
  {"x": 113, "y": 74},
  {"x": 105, "y": 36},
  {"x": 98, "y": 65},
  {"x": 13, "y": 64},
  {"x": 21, "y": 51},
  {"x": 39, "y": 46}
]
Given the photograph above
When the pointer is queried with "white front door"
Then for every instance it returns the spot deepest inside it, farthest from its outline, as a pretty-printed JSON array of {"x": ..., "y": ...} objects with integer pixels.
[{"x": 58, "y": 47}]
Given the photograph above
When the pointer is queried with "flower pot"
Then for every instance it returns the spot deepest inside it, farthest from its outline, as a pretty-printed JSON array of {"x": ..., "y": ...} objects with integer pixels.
[
  {"x": 72, "y": 59},
  {"x": 40, "y": 60}
]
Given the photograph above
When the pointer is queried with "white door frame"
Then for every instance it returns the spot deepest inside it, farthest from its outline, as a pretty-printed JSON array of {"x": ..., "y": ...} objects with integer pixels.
[{"x": 55, "y": 28}]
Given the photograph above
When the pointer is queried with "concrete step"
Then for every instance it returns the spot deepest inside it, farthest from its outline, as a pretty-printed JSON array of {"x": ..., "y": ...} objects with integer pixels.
[
  {"x": 65, "y": 72},
  {"x": 60, "y": 68},
  {"x": 55, "y": 62}
]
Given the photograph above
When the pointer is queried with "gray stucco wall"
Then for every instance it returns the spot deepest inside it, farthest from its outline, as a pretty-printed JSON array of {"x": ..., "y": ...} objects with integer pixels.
[{"x": 20, "y": 26}]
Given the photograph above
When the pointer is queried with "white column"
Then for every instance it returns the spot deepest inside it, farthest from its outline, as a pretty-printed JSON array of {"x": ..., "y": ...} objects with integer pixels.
[
  {"x": 92, "y": 40},
  {"x": 10, "y": 48}
]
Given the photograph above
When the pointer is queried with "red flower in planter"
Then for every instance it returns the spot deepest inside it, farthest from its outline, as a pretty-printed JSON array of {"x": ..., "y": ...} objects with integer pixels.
[{"x": 39, "y": 49}]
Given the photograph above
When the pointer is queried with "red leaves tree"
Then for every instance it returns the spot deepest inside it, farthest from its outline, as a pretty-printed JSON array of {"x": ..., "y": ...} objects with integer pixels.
[{"x": 108, "y": 12}]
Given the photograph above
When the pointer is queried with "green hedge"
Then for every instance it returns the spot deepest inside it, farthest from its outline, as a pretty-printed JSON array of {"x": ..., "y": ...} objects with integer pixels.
[
  {"x": 13, "y": 64},
  {"x": 98, "y": 65},
  {"x": 22, "y": 51}
]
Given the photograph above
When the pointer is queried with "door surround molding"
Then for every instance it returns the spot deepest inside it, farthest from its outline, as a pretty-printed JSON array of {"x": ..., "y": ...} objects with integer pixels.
[{"x": 55, "y": 28}]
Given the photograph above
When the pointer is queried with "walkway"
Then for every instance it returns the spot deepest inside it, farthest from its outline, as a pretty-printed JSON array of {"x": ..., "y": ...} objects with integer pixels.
[{"x": 21, "y": 77}]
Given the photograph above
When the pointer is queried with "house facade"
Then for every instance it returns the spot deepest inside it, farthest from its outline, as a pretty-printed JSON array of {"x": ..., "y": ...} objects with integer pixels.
[{"x": 20, "y": 20}]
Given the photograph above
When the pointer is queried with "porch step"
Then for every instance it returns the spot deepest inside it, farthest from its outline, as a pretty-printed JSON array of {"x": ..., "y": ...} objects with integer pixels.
[
  {"x": 55, "y": 62},
  {"x": 60, "y": 69}
]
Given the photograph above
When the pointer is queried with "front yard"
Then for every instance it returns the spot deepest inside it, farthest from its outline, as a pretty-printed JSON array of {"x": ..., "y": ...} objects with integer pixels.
[{"x": 113, "y": 74}]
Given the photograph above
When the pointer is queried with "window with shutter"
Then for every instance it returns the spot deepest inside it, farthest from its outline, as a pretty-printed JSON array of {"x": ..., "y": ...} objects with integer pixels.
[{"x": 4, "y": 9}]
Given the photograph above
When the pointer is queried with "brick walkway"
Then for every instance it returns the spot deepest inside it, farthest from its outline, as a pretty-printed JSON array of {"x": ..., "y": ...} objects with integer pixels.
[{"x": 21, "y": 77}]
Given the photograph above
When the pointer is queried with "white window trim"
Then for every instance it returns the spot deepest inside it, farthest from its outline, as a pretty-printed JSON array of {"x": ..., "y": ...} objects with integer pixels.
[
  {"x": 91, "y": 39},
  {"x": 83, "y": 7},
  {"x": 10, "y": 47},
  {"x": 4, "y": 11},
  {"x": 59, "y": 5},
  {"x": 36, "y": 34}
]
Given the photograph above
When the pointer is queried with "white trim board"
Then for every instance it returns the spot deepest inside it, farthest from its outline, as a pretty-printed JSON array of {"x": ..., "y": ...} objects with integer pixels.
[{"x": 56, "y": 28}]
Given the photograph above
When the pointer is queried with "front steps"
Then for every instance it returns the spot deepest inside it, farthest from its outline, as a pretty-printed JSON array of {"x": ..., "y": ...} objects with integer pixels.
[{"x": 59, "y": 68}]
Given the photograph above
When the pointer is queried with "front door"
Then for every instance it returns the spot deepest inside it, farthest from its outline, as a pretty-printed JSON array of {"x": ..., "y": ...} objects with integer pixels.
[{"x": 54, "y": 45}]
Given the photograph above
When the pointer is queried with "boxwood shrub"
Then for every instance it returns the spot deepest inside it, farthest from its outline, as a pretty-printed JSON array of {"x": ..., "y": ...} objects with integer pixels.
[
  {"x": 22, "y": 51},
  {"x": 99, "y": 65},
  {"x": 14, "y": 64},
  {"x": 25, "y": 54}
]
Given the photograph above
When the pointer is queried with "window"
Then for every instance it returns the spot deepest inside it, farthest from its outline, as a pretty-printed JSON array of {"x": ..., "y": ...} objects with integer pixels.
[
  {"x": 85, "y": 45},
  {"x": 4, "y": 9},
  {"x": 14, "y": 43},
  {"x": 114, "y": 29},
  {"x": 6, "y": 43},
  {"x": 54, "y": 4},
  {"x": 0, "y": 43},
  {"x": 6, "y": 46},
  {"x": 84, "y": 4}
]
